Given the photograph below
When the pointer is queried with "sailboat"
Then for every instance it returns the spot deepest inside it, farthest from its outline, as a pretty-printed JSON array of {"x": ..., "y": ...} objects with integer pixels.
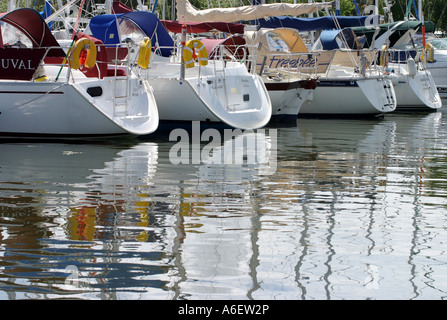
[
  {"x": 187, "y": 89},
  {"x": 343, "y": 88},
  {"x": 289, "y": 74},
  {"x": 288, "y": 88},
  {"x": 414, "y": 85},
  {"x": 339, "y": 90},
  {"x": 435, "y": 49},
  {"x": 436, "y": 61},
  {"x": 47, "y": 92}
]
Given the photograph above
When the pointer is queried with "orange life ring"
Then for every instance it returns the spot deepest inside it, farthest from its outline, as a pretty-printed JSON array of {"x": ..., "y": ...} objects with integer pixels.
[{"x": 82, "y": 53}]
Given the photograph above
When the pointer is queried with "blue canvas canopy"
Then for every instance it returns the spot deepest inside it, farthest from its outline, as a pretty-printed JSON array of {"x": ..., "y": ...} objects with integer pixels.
[
  {"x": 105, "y": 28},
  {"x": 329, "y": 38},
  {"x": 314, "y": 24}
]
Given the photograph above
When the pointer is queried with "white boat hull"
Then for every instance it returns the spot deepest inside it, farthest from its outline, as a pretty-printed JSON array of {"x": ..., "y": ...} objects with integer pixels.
[
  {"x": 178, "y": 101},
  {"x": 67, "y": 109},
  {"x": 438, "y": 70},
  {"x": 232, "y": 96},
  {"x": 416, "y": 92},
  {"x": 370, "y": 96},
  {"x": 287, "y": 98}
]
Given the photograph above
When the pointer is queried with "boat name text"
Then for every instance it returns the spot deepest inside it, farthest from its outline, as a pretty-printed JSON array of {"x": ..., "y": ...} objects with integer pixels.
[
  {"x": 278, "y": 62},
  {"x": 17, "y": 64}
]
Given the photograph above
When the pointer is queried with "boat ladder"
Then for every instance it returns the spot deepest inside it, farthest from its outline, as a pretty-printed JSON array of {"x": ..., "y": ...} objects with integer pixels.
[
  {"x": 220, "y": 86},
  {"x": 121, "y": 96},
  {"x": 389, "y": 94},
  {"x": 220, "y": 78}
]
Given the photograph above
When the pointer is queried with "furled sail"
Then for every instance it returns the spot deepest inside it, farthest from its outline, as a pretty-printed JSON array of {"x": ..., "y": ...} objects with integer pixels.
[{"x": 187, "y": 13}]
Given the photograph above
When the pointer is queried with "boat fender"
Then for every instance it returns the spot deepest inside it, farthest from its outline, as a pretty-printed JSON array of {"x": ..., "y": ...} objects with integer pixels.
[
  {"x": 412, "y": 70},
  {"x": 430, "y": 52},
  {"x": 363, "y": 64},
  {"x": 144, "y": 53},
  {"x": 39, "y": 75},
  {"x": 83, "y": 52},
  {"x": 383, "y": 55},
  {"x": 41, "y": 78},
  {"x": 192, "y": 47},
  {"x": 394, "y": 79}
]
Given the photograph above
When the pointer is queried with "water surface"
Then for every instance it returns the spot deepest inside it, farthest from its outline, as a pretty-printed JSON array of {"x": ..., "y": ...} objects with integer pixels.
[{"x": 344, "y": 209}]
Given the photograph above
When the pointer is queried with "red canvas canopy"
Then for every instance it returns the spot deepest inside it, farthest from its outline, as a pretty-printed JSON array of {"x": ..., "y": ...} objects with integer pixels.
[
  {"x": 198, "y": 27},
  {"x": 21, "y": 63},
  {"x": 234, "y": 45},
  {"x": 118, "y": 7},
  {"x": 1, "y": 38},
  {"x": 31, "y": 23}
]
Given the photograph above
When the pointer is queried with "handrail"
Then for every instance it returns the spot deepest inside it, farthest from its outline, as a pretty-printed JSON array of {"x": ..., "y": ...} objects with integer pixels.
[
  {"x": 400, "y": 57},
  {"x": 111, "y": 60},
  {"x": 223, "y": 53}
]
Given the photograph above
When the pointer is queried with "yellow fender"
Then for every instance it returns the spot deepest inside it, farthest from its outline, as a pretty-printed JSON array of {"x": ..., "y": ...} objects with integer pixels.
[
  {"x": 41, "y": 78},
  {"x": 430, "y": 52},
  {"x": 76, "y": 59},
  {"x": 144, "y": 53},
  {"x": 383, "y": 55},
  {"x": 190, "y": 48}
]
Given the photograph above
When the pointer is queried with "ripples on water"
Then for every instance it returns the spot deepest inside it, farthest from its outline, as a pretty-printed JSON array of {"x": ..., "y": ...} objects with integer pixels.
[{"x": 353, "y": 210}]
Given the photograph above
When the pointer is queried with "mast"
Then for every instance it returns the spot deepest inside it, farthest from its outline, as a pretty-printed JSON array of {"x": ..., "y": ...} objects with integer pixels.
[
  {"x": 420, "y": 11},
  {"x": 357, "y": 8},
  {"x": 388, "y": 10},
  {"x": 11, "y": 5}
]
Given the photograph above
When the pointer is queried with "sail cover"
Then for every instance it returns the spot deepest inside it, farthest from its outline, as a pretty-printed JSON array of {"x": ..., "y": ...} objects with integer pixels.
[
  {"x": 198, "y": 27},
  {"x": 312, "y": 24},
  {"x": 187, "y": 13}
]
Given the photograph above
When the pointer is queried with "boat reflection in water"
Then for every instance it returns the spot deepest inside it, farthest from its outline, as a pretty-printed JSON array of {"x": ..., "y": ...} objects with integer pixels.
[
  {"x": 62, "y": 200},
  {"x": 99, "y": 219},
  {"x": 353, "y": 210}
]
